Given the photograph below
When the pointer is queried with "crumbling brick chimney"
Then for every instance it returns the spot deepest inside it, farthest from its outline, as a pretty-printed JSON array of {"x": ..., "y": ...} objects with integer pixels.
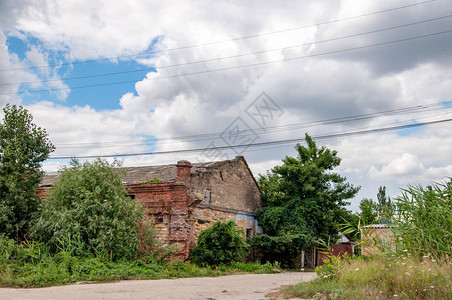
[{"x": 183, "y": 171}]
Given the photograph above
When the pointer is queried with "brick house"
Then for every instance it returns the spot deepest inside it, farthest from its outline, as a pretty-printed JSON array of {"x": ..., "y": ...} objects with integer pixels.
[
  {"x": 184, "y": 199},
  {"x": 377, "y": 235}
]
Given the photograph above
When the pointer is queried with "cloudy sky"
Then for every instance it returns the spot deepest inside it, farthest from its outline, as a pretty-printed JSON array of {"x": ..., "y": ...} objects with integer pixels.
[{"x": 371, "y": 79}]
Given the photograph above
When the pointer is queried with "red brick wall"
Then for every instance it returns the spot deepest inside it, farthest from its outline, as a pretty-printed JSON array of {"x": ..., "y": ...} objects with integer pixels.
[{"x": 168, "y": 204}]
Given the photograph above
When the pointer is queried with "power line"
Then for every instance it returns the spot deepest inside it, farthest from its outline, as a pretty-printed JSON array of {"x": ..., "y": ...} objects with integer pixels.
[
  {"x": 224, "y": 41},
  {"x": 244, "y": 66},
  {"x": 232, "y": 56},
  {"x": 319, "y": 137},
  {"x": 270, "y": 129},
  {"x": 247, "y": 133}
]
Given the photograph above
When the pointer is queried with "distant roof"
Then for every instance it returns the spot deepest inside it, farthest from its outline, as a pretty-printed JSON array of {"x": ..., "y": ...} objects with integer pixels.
[
  {"x": 379, "y": 226},
  {"x": 164, "y": 173}
]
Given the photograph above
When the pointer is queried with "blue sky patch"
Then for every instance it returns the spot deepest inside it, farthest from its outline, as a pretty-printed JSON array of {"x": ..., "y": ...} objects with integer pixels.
[
  {"x": 410, "y": 130},
  {"x": 99, "y": 84}
]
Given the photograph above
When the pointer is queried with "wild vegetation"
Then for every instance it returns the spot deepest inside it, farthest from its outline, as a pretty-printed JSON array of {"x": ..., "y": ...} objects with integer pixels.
[
  {"x": 32, "y": 265},
  {"x": 303, "y": 202},
  {"x": 418, "y": 264}
]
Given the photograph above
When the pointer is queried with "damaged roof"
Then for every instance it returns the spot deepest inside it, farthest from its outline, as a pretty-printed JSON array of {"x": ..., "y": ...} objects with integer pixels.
[{"x": 149, "y": 174}]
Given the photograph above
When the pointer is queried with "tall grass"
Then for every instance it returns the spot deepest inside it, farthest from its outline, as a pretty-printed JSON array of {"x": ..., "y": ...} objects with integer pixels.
[
  {"x": 382, "y": 277},
  {"x": 423, "y": 220}
]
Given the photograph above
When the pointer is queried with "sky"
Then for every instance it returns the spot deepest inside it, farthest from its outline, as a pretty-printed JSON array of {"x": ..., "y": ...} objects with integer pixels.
[{"x": 370, "y": 79}]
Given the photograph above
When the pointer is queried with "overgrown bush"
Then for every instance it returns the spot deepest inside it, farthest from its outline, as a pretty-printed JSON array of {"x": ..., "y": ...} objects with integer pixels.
[
  {"x": 284, "y": 249},
  {"x": 422, "y": 222},
  {"x": 220, "y": 244},
  {"x": 89, "y": 214}
]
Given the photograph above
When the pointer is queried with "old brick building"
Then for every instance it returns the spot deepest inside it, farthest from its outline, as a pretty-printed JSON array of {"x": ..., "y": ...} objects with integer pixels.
[{"x": 186, "y": 198}]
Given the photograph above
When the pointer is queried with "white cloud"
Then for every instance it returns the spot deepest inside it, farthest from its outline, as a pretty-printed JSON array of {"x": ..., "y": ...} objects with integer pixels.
[
  {"x": 308, "y": 89},
  {"x": 406, "y": 164}
]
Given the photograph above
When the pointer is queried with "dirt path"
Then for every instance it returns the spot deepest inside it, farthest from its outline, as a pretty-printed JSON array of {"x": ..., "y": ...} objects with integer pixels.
[{"x": 253, "y": 286}]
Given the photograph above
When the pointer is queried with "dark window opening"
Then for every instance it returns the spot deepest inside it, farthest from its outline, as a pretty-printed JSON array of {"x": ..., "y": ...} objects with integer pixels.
[
  {"x": 159, "y": 219},
  {"x": 249, "y": 233},
  {"x": 131, "y": 196}
]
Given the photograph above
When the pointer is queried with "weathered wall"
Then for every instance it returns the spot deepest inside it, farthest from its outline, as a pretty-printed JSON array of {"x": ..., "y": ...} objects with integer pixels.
[
  {"x": 225, "y": 192},
  {"x": 204, "y": 217},
  {"x": 231, "y": 186},
  {"x": 168, "y": 204}
]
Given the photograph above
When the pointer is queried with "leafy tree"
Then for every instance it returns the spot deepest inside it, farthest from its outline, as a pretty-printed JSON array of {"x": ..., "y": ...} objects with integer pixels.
[
  {"x": 384, "y": 205},
  {"x": 89, "y": 208},
  {"x": 369, "y": 211},
  {"x": 303, "y": 196},
  {"x": 220, "y": 244},
  {"x": 23, "y": 147}
]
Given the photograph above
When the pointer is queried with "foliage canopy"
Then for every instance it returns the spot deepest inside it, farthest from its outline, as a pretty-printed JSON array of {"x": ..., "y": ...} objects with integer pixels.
[
  {"x": 369, "y": 211},
  {"x": 89, "y": 207},
  {"x": 23, "y": 147},
  {"x": 303, "y": 196}
]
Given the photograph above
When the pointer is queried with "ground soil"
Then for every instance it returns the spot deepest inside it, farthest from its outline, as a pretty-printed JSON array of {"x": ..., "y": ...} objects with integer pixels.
[{"x": 251, "y": 286}]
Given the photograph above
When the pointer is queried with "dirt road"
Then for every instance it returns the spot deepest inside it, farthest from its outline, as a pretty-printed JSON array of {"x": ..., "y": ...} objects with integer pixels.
[{"x": 253, "y": 286}]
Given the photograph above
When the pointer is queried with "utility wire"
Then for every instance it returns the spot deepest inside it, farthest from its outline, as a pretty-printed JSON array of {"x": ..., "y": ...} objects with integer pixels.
[
  {"x": 243, "y": 66},
  {"x": 245, "y": 134},
  {"x": 253, "y": 131},
  {"x": 231, "y": 56},
  {"x": 224, "y": 41},
  {"x": 318, "y": 137}
]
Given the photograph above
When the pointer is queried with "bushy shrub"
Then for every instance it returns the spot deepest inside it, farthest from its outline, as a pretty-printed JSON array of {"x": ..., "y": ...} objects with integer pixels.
[
  {"x": 89, "y": 213},
  {"x": 220, "y": 244}
]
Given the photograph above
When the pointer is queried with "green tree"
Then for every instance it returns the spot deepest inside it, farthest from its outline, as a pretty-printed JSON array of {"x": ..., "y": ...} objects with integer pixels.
[
  {"x": 303, "y": 196},
  {"x": 220, "y": 244},
  {"x": 384, "y": 205},
  {"x": 369, "y": 211},
  {"x": 88, "y": 207},
  {"x": 23, "y": 148}
]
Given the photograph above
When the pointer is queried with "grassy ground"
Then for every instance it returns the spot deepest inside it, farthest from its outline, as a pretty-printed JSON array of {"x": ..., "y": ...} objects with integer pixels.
[
  {"x": 379, "y": 278},
  {"x": 32, "y": 265}
]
